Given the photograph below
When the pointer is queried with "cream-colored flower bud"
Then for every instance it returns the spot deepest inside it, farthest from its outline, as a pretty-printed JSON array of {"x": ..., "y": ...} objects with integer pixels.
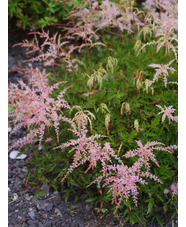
[
  {"x": 111, "y": 64},
  {"x": 125, "y": 106},
  {"x": 107, "y": 120},
  {"x": 147, "y": 86},
  {"x": 97, "y": 76},
  {"x": 136, "y": 125},
  {"x": 103, "y": 108},
  {"x": 147, "y": 82},
  {"x": 138, "y": 84},
  {"x": 137, "y": 46}
]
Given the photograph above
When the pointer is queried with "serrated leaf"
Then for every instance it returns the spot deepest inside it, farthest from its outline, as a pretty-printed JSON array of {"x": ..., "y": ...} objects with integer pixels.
[
  {"x": 133, "y": 134},
  {"x": 126, "y": 212},
  {"x": 159, "y": 221},
  {"x": 150, "y": 206},
  {"x": 90, "y": 200},
  {"x": 174, "y": 215},
  {"x": 67, "y": 193},
  {"x": 104, "y": 210},
  {"x": 165, "y": 207},
  {"x": 132, "y": 219},
  {"x": 156, "y": 121},
  {"x": 39, "y": 192},
  {"x": 159, "y": 197}
]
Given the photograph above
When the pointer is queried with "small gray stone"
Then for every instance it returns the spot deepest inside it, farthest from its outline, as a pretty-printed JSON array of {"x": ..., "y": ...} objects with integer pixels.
[
  {"x": 10, "y": 225},
  {"x": 36, "y": 202},
  {"x": 17, "y": 185},
  {"x": 31, "y": 214},
  {"x": 14, "y": 155},
  {"x": 9, "y": 173},
  {"x": 46, "y": 206},
  {"x": 22, "y": 175},
  {"x": 32, "y": 223},
  {"x": 81, "y": 225},
  {"x": 15, "y": 196}
]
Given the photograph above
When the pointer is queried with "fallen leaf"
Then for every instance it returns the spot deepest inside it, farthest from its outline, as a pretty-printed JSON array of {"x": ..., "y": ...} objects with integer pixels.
[
  {"x": 25, "y": 184},
  {"x": 153, "y": 103},
  {"x": 57, "y": 212}
]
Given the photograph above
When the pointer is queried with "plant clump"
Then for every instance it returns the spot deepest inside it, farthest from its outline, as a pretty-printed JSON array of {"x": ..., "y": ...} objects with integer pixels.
[{"x": 96, "y": 99}]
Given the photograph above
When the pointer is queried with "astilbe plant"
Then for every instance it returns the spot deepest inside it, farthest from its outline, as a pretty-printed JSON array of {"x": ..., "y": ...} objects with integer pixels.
[
  {"x": 161, "y": 71},
  {"x": 167, "y": 14},
  {"x": 82, "y": 30},
  {"x": 52, "y": 52},
  {"x": 145, "y": 154},
  {"x": 164, "y": 25},
  {"x": 119, "y": 178},
  {"x": 122, "y": 180},
  {"x": 122, "y": 15},
  {"x": 166, "y": 17},
  {"x": 35, "y": 109},
  {"x": 83, "y": 115},
  {"x": 33, "y": 106},
  {"x": 86, "y": 147},
  {"x": 167, "y": 112}
]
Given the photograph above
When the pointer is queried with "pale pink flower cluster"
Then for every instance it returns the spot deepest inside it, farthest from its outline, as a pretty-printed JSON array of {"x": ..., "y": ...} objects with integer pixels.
[
  {"x": 164, "y": 24},
  {"x": 167, "y": 17},
  {"x": 107, "y": 14},
  {"x": 161, "y": 71},
  {"x": 174, "y": 189},
  {"x": 122, "y": 182},
  {"x": 33, "y": 106},
  {"x": 167, "y": 112},
  {"x": 51, "y": 52},
  {"x": 166, "y": 191},
  {"x": 145, "y": 154},
  {"x": 86, "y": 147},
  {"x": 115, "y": 15}
]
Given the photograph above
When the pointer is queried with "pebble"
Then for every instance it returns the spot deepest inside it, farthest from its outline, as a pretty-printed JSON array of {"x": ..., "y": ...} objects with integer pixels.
[
  {"x": 32, "y": 223},
  {"x": 15, "y": 196},
  {"x": 31, "y": 214},
  {"x": 13, "y": 155},
  {"x": 46, "y": 207},
  {"x": 17, "y": 184},
  {"x": 27, "y": 198},
  {"x": 36, "y": 202}
]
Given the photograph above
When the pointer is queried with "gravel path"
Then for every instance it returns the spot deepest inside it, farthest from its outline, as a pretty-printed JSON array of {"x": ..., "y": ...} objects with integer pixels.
[{"x": 50, "y": 209}]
